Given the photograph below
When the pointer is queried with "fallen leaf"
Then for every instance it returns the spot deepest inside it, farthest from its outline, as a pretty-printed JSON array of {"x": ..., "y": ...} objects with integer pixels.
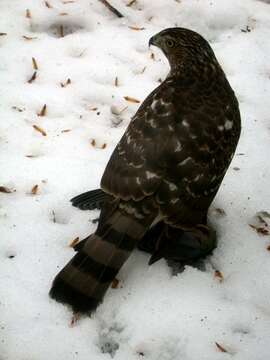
[
  {"x": 131, "y": 99},
  {"x": 220, "y": 211},
  {"x": 34, "y": 63},
  {"x": 49, "y": 6},
  {"x": 65, "y": 130},
  {"x": 34, "y": 190},
  {"x": 74, "y": 242},
  {"x": 136, "y": 28},
  {"x": 43, "y": 111},
  {"x": 221, "y": 348},
  {"x": 63, "y": 14},
  {"x": 116, "y": 81},
  {"x": 115, "y": 283},
  {"x": 66, "y": 83},
  {"x": 33, "y": 78},
  {"x": 39, "y": 129},
  {"x": 152, "y": 56},
  {"x": 3, "y": 34},
  {"x": 131, "y": 2},
  {"x": 219, "y": 275},
  {"x": 260, "y": 230},
  {"x": 28, "y": 14},
  {"x": 5, "y": 190},
  {"x": 93, "y": 142},
  {"x": 29, "y": 37},
  {"x": 61, "y": 31}
]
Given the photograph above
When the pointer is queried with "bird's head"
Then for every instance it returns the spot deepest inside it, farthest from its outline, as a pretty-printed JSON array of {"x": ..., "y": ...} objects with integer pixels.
[{"x": 184, "y": 48}]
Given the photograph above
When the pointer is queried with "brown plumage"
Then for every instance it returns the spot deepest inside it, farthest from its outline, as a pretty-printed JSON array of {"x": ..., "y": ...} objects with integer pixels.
[{"x": 167, "y": 168}]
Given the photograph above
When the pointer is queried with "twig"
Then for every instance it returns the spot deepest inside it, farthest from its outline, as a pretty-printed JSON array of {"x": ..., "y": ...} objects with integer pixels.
[{"x": 111, "y": 8}]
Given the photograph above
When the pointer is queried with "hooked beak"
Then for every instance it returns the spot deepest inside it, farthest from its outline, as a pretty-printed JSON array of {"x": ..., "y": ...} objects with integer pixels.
[{"x": 152, "y": 41}]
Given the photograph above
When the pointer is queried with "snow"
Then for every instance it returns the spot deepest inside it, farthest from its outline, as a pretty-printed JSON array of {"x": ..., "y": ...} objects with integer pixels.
[{"x": 152, "y": 315}]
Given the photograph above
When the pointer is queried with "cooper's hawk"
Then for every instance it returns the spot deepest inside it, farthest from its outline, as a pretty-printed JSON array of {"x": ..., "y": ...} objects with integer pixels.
[{"x": 164, "y": 172}]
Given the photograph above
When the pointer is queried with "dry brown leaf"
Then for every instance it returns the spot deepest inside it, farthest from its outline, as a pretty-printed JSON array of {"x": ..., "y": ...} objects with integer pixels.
[
  {"x": 115, "y": 283},
  {"x": 39, "y": 129},
  {"x": 66, "y": 83},
  {"x": 152, "y": 56},
  {"x": 3, "y": 34},
  {"x": 93, "y": 142},
  {"x": 131, "y": 99},
  {"x": 116, "y": 81},
  {"x": 61, "y": 31},
  {"x": 34, "y": 190},
  {"x": 136, "y": 28},
  {"x": 6, "y": 190},
  {"x": 220, "y": 211},
  {"x": 221, "y": 348},
  {"x": 93, "y": 108},
  {"x": 34, "y": 63},
  {"x": 63, "y": 14},
  {"x": 74, "y": 242},
  {"x": 260, "y": 230},
  {"x": 49, "y": 6},
  {"x": 103, "y": 146},
  {"x": 28, "y": 14},
  {"x": 68, "y": 2},
  {"x": 65, "y": 130},
  {"x": 28, "y": 37},
  {"x": 268, "y": 248},
  {"x": 43, "y": 111},
  {"x": 219, "y": 275},
  {"x": 33, "y": 78},
  {"x": 131, "y": 2}
]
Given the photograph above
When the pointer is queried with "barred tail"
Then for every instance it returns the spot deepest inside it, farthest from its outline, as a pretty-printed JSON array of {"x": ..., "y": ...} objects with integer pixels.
[
  {"x": 93, "y": 199},
  {"x": 83, "y": 282}
]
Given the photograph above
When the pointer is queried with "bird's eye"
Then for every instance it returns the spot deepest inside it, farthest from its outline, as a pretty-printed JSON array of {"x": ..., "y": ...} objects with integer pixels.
[{"x": 170, "y": 43}]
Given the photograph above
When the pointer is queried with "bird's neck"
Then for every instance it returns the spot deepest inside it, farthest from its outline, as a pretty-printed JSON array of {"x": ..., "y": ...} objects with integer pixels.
[{"x": 194, "y": 69}]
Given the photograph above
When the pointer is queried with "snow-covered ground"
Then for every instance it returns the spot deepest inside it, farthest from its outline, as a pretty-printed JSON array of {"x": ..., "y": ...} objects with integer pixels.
[{"x": 220, "y": 313}]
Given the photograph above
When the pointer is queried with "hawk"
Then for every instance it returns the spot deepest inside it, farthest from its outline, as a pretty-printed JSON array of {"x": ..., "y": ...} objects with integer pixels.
[{"x": 163, "y": 174}]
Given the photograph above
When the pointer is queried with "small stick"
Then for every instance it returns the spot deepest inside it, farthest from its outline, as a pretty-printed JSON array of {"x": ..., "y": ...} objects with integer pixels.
[{"x": 111, "y": 8}]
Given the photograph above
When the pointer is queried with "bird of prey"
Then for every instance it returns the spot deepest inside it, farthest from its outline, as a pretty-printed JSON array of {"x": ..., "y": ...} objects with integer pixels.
[{"x": 163, "y": 174}]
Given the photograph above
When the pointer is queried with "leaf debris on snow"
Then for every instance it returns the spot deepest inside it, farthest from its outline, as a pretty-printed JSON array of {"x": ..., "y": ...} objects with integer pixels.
[
  {"x": 48, "y": 5},
  {"x": 66, "y": 83},
  {"x": 29, "y": 38},
  {"x": 34, "y": 63},
  {"x": 136, "y": 28},
  {"x": 221, "y": 348},
  {"x": 112, "y": 8},
  {"x": 28, "y": 14},
  {"x": 33, "y": 78},
  {"x": 115, "y": 283},
  {"x": 34, "y": 190},
  {"x": 74, "y": 242},
  {"x": 131, "y": 99},
  {"x": 131, "y": 2},
  {"x": 43, "y": 111},
  {"x": 219, "y": 275},
  {"x": 3, "y": 34},
  {"x": 6, "y": 190},
  {"x": 39, "y": 129}
]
